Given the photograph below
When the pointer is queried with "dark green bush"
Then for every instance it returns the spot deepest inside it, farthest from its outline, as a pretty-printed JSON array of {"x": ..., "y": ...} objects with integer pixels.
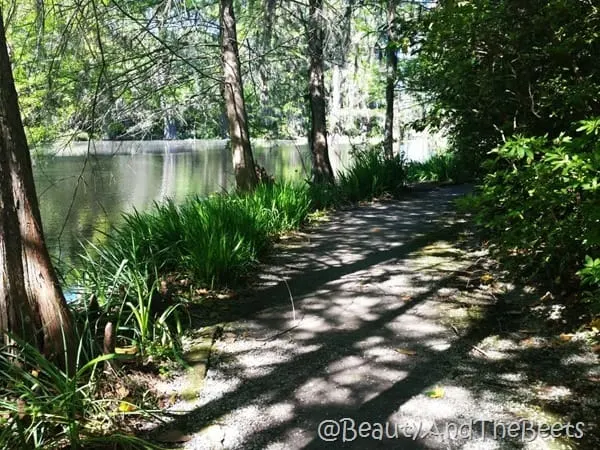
[{"x": 540, "y": 203}]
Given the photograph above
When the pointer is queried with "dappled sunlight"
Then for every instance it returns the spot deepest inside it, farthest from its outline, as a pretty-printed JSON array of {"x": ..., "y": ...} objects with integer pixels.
[{"x": 373, "y": 336}]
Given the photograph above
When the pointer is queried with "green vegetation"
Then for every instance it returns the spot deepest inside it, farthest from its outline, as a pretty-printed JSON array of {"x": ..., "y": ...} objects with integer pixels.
[
  {"x": 516, "y": 84},
  {"x": 215, "y": 240},
  {"x": 371, "y": 175},
  {"x": 441, "y": 167},
  {"x": 540, "y": 203},
  {"x": 43, "y": 407}
]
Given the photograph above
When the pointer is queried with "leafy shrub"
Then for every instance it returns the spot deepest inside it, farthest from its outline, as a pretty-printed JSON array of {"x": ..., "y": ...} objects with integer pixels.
[
  {"x": 540, "y": 203},
  {"x": 371, "y": 175}
]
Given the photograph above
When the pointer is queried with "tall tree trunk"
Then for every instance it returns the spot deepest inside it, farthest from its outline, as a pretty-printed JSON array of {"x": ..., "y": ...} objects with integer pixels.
[
  {"x": 321, "y": 167},
  {"x": 32, "y": 304},
  {"x": 390, "y": 84},
  {"x": 233, "y": 95}
]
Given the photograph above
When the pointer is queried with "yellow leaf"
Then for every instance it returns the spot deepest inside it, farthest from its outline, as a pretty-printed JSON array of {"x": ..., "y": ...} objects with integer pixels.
[
  {"x": 35, "y": 373},
  {"x": 487, "y": 278},
  {"x": 125, "y": 406},
  {"x": 130, "y": 350},
  {"x": 406, "y": 351},
  {"x": 565, "y": 337},
  {"x": 437, "y": 392}
]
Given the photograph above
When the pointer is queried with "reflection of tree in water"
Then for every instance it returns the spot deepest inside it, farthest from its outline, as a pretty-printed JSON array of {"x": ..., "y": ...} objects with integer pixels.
[{"x": 113, "y": 184}]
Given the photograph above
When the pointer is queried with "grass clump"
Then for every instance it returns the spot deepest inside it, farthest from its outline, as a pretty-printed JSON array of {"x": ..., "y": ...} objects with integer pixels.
[
  {"x": 371, "y": 175},
  {"x": 441, "y": 167},
  {"x": 43, "y": 407},
  {"x": 215, "y": 240}
]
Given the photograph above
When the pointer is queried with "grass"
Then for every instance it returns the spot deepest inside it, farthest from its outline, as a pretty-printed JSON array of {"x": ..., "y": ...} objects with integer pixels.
[
  {"x": 215, "y": 241},
  {"x": 371, "y": 175},
  {"x": 43, "y": 407},
  {"x": 441, "y": 167}
]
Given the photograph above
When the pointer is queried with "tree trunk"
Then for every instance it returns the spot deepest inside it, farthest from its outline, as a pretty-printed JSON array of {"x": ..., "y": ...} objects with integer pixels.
[
  {"x": 32, "y": 304},
  {"x": 321, "y": 167},
  {"x": 233, "y": 95},
  {"x": 390, "y": 84}
]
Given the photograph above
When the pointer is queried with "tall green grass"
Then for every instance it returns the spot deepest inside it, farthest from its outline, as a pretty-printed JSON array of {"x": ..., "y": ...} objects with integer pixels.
[
  {"x": 215, "y": 240},
  {"x": 43, "y": 407},
  {"x": 441, "y": 167},
  {"x": 371, "y": 175}
]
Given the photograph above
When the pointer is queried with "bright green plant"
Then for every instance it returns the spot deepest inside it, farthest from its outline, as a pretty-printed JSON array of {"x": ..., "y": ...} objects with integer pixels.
[
  {"x": 371, "y": 175},
  {"x": 442, "y": 166},
  {"x": 590, "y": 273},
  {"x": 43, "y": 407},
  {"x": 539, "y": 203}
]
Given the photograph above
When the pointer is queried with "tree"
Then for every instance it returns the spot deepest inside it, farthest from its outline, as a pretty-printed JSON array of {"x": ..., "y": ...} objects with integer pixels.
[
  {"x": 32, "y": 305},
  {"x": 233, "y": 95},
  {"x": 390, "y": 82},
  {"x": 321, "y": 166}
]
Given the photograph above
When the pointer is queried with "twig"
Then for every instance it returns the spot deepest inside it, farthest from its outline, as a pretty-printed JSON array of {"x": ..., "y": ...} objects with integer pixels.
[{"x": 474, "y": 347}]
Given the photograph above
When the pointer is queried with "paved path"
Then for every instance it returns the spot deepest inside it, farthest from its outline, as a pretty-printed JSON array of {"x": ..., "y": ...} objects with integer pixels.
[{"x": 389, "y": 313}]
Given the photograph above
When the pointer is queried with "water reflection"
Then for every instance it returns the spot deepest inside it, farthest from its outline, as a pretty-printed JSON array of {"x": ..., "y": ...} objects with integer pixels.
[{"x": 82, "y": 195}]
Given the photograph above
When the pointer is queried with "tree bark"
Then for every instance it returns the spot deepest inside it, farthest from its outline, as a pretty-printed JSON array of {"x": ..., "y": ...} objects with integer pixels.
[
  {"x": 321, "y": 166},
  {"x": 32, "y": 304},
  {"x": 235, "y": 107},
  {"x": 390, "y": 84}
]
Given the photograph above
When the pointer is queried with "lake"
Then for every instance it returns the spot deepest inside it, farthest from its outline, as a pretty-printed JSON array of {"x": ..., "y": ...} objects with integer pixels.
[
  {"x": 84, "y": 188},
  {"x": 83, "y": 194}
]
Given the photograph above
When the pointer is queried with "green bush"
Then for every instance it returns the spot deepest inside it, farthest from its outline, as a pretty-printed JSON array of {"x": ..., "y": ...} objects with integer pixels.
[
  {"x": 371, "y": 175},
  {"x": 540, "y": 204},
  {"x": 214, "y": 240},
  {"x": 441, "y": 167}
]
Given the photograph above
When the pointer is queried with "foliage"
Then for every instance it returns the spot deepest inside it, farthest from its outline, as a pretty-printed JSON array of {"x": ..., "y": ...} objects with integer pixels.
[
  {"x": 43, "y": 407},
  {"x": 214, "y": 240},
  {"x": 442, "y": 166},
  {"x": 493, "y": 69},
  {"x": 539, "y": 204},
  {"x": 371, "y": 175}
]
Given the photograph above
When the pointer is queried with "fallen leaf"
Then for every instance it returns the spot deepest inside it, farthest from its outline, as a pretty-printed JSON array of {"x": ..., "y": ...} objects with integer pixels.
[
  {"x": 125, "y": 406},
  {"x": 122, "y": 392},
  {"x": 437, "y": 392},
  {"x": 566, "y": 337},
  {"x": 595, "y": 323},
  {"x": 406, "y": 351},
  {"x": 529, "y": 342},
  {"x": 486, "y": 278},
  {"x": 596, "y": 348},
  {"x": 130, "y": 350},
  {"x": 375, "y": 230}
]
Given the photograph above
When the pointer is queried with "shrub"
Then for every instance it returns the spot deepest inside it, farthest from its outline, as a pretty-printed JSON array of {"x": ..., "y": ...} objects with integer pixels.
[
  {"x": 43, "y": 407},
  {"x": 539, "y": 203}
]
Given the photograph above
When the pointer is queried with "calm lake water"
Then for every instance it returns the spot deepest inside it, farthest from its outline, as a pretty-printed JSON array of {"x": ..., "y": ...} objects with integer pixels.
[{"x": 82, "y": 196}]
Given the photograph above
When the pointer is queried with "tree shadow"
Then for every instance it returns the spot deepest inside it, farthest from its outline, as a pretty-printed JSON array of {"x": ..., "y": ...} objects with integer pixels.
[{"x": 363, "y": 289}]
